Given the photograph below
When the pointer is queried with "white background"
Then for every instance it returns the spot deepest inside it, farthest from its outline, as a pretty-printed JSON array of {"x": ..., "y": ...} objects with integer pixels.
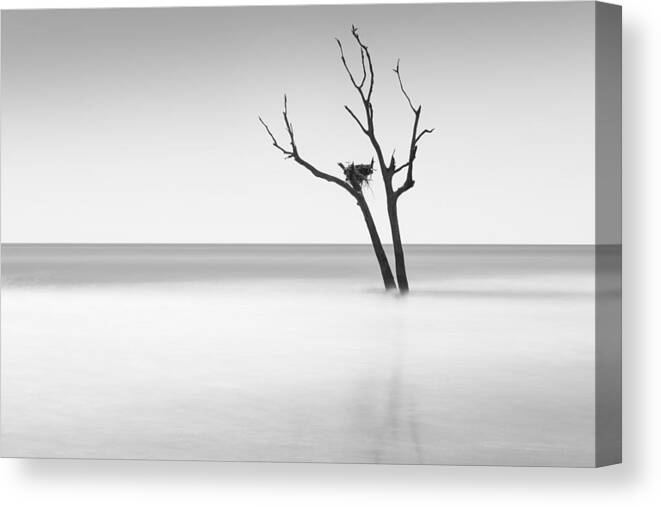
[{"x": 636, "y": 482}]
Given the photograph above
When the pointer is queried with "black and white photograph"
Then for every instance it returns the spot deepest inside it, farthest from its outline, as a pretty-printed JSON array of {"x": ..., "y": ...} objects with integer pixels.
[{"x": 380, "y": 234}]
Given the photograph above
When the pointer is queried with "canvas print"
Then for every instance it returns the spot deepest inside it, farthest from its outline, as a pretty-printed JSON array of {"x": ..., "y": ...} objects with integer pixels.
[{"x": 346, "y": 234}]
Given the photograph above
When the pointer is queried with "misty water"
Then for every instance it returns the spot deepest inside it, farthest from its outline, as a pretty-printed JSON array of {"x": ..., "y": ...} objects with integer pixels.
[{"x": 295, "y": 353}]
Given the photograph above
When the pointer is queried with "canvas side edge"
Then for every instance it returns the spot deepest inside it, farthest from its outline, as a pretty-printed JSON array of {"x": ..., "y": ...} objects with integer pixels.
[{"x": 608, "y": 234}]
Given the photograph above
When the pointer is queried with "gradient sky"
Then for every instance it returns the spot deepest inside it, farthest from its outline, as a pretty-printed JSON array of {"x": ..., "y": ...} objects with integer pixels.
[{"x": 140, "y": 125}]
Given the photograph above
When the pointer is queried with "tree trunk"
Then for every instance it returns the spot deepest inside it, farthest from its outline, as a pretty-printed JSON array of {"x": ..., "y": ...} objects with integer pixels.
[
  {"x": 384, "y": 265},
  {"x": 400, "y": 267}
]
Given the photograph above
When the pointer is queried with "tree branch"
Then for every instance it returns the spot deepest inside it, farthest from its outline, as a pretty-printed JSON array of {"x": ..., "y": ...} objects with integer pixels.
[
  {"x": 368, "y": 127},
  {"x": 408, "y": 183},
  {"x": 294, "y": 154},
  {"x": 426, "y": 131},
  {"x": 287, "y": 154},
  {"x": 363, "y": 49},
  {"x": 362, "y": 62},
  {"x": 403, "y": 166},
  {"x": 365, "y": 96},
  {"x": 401, "y": 85},
  {"x": 346, "y": 67},
  {"x": 357, "y": 120},
  {"x": 415, "y": 138}
]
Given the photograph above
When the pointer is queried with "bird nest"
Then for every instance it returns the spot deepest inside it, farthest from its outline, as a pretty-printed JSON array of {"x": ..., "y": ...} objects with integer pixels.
[{"x": 358, "y": 175}]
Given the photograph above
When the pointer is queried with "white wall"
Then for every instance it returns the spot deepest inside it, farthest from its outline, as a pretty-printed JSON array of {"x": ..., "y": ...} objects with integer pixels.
[{"x": 73, "y": 483}]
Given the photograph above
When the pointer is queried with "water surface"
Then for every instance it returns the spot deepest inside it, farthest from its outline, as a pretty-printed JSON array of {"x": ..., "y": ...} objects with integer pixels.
[{"x": 295, "y": 353}]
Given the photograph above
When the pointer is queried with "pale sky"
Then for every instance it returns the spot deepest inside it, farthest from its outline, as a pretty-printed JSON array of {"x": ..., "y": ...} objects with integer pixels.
[{"x": 140, "y": 125}]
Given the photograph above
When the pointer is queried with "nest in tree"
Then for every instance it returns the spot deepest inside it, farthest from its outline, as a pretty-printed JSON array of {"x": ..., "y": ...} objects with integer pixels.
[{"x": 357, "y": 175}]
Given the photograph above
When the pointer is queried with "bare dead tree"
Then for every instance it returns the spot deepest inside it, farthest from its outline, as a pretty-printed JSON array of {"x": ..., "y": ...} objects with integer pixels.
[
  {"x": 364, "y": 85},
  {"x": 355, "y": 177},
  {"x": 356, "y": 174}
]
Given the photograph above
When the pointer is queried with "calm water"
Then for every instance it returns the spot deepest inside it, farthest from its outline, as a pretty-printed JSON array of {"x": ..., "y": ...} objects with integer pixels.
[{"x": 294, "y": 353}]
